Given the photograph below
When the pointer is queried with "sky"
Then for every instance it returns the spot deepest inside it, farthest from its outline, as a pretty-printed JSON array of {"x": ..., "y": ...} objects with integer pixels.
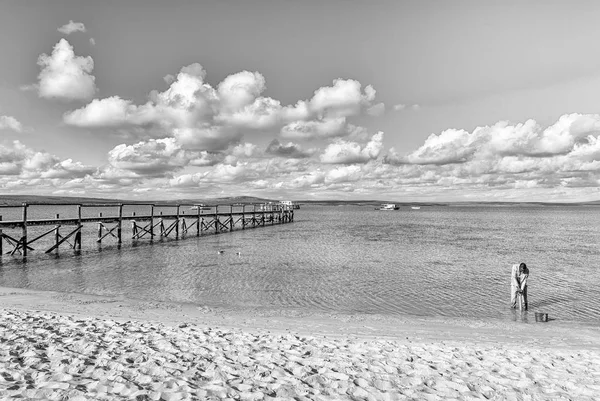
[{"x": 406, "y": 101}]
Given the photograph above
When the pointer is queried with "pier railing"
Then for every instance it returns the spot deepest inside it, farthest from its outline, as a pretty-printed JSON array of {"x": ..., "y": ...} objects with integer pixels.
[{"x": 151, "y": 224}]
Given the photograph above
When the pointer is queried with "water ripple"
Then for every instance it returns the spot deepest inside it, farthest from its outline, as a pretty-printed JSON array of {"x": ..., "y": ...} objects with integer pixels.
[{"x": 440, "y": 261}]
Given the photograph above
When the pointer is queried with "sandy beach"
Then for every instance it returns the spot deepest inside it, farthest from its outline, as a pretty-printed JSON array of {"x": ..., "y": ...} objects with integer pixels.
[{"x": 69, "y": 346}]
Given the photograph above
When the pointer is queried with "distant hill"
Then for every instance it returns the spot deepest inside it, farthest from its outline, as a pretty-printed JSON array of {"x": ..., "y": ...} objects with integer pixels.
[{"x": 17, "y": 200}]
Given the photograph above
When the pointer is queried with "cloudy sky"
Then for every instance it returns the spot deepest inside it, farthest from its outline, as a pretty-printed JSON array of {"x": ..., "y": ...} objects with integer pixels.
[{"x": 338, "y": 99}]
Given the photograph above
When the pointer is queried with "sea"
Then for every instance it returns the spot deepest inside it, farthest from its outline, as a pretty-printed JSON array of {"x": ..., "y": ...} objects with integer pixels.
[{"x": 437, "y": 261}]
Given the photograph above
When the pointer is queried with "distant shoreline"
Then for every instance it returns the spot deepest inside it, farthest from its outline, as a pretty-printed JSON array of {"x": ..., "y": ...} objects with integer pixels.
[{"x": 18, "y": 200}]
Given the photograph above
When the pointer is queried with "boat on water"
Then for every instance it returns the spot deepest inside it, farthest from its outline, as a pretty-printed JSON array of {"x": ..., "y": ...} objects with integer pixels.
[
  {"x": 389, "y": 206},
  {"x": 415, "y": 207}
]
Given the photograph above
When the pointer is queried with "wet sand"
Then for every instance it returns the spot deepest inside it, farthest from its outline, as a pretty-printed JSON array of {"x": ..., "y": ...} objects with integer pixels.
[{"x": 72, "y": 346}]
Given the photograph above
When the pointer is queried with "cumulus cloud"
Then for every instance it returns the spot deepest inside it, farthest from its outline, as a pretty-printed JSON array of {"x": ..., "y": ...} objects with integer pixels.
[
  {"x": 343, "y": 99},
  {"x": 323, "y": 128},
  {"x": 64, "y": 75},
  {"x": 325, "y": 114},
  {"x": 163, "y": 157},
  {"x": 16, "y": 159},
  {"x": 376, "y": 110},
  {"x": 71, "y": 27},
  {"x": 202, "y": 117},
  {"x": 92, "y": 41},
  {"x": 526, "y": 139},
  {"x": 345, "y": 152},
  {"x": 290, "y": 150},
  {"x": 154, "y": 157},
  {"x": 11, "y": 123},
  {"x": 108, "y": 112},
  {"x": 504, "y": 157},
  {"x": 400, "y": 107}
]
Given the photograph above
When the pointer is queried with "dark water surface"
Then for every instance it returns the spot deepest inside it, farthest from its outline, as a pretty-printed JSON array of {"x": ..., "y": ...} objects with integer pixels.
[{"x": 436, "y": 261}]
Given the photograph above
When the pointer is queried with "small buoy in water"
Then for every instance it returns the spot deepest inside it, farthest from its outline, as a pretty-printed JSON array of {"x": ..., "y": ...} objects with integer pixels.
[
  {"x": 238, "y": 253},
  {"x": 220, "y": 252}
]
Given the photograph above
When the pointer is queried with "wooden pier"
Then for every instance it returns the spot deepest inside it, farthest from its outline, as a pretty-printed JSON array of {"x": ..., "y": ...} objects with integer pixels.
[{"x": 199, "y": 220}]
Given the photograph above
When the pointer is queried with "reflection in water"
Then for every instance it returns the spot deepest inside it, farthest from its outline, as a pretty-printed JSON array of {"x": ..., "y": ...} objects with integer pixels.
[{"x": 442, "y": 261}]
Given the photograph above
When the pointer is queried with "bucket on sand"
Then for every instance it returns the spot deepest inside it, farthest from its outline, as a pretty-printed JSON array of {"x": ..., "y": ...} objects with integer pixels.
[{"x": 541, "y": 317}]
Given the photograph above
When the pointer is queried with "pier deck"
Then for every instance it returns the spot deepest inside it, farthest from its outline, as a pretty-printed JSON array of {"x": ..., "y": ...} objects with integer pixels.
[{"x": 213, "y": 219}]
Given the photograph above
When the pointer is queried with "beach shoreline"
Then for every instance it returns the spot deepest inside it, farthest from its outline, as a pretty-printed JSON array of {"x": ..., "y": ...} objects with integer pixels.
[{"x": 322, "y": 356}]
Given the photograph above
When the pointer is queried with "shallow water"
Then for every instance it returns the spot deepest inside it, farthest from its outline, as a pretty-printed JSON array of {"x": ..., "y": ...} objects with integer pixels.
[{"x": 436, "y": 261}]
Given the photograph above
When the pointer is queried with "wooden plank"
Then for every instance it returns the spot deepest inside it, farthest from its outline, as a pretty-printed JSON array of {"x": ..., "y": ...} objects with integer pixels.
[{"x": 40, "y": 236}]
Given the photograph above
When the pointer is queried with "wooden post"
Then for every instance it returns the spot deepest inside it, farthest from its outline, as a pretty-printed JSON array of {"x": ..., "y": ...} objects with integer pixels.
[
  {"x": 24, "y": 239},
  {"x": 162, "y": 225},
  {"x": 57, "y": 234},
  {"x": 120, "y": 223},
  {"x": 99, "y": 229},
  {"x": 216, "y": 219},
  {"x": 77, "y": 242},
  {"x": 198, "y": 222},
  {"x": 230, "y": 217},
  {"x": 243, "y": 217},
  {"x": 133, "y": 227},
  {"x": 177, "y": 224},
  {"x": 151, "y": 222},
  {"x": 1, "y": 237}
]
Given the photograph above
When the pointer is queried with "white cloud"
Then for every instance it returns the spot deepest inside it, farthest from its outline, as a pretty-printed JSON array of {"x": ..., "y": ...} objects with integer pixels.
[
  {"x": 376, "y": 110},
  {"x": 201, "y": 117},
  {"x": 344, "y": 152},
  {"x": 151, "y": 158},
  {"x": 108, "y": 112},
  {"x": 290, "y": 150},
  {"x": 71, "y": 27},
  {"x": 19, "y": 161},
  {"x": 11, "y": 123},
  {"x": 524, "y": 157},
  {"x": 343, "y": 174},
  {"x": 401, "y": 106},
  {"x": 240, "y": 89},
  {"x": 502, "y": 139},
  {"x": 92, "y": 41},
  {"x": 343, "y": 99},
  {"x": 65, "y": 75},
  {"x": 305, "y": 130}
]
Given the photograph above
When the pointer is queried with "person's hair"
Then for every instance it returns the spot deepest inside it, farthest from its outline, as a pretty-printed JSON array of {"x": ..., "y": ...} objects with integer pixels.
[{"x": 523, "y": 268}]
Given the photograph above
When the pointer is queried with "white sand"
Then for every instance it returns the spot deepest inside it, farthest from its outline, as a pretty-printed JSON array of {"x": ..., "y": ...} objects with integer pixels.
[{"x": 77, "y": 347}]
